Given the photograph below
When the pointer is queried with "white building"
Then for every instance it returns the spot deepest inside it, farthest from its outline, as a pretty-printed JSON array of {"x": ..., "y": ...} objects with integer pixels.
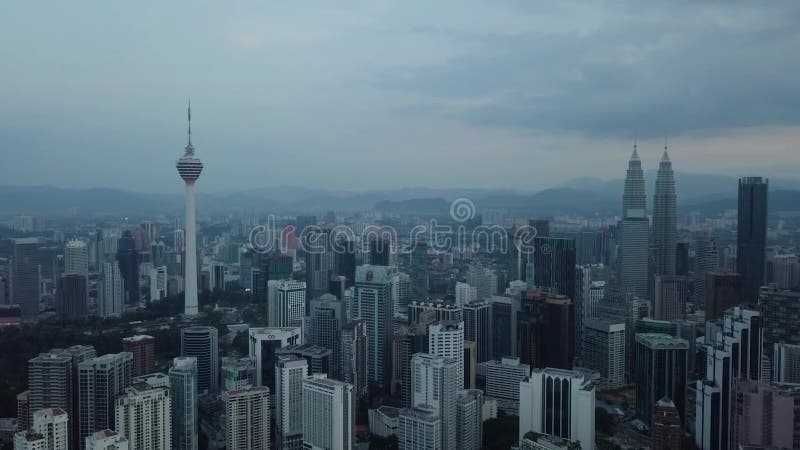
[
  {"x": 786, "y": 363},
  {"x": 144, "y": 416},
  {"x": 446, "y": 338},
  {"x": 29, "y": 440},
  {"x": 502, "y": 382},
  {"x": 484, "y": 280},
  {"x": 465, "y": 294},
  {"x": 434, "y": 382},
  {"x": 53, "y": 425},
  {"x": 289, "y": 375},
  {"x": 110, "y": 302},
  {"x": 596, "y": 294},
  {"x": 558, "y": 403},
  {"x": 263, "y": 344},
  {"x": 76, "y": 257},
  {"x": 158, "y": 283},
  {"x": 329, "y": 417},
  {"x": 247, "y": 419},
  {"x": 106, "y": 440},
  {"x": 418, "y": 428},
  {"x": 286, "y": 300},
  {"x": 604, "y": 350},
  {"x": 383, "y": 421}
]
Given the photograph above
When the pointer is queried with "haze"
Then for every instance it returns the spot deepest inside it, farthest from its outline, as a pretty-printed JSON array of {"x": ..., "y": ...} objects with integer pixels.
[{"x": 383, "y": 94}]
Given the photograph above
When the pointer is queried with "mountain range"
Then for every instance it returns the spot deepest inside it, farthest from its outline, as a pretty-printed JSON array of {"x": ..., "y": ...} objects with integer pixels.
[{"x": 696, "y": 192}]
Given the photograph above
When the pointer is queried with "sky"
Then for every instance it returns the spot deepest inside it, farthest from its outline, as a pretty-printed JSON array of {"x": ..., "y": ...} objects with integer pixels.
[{"x": 374, "y": 94}]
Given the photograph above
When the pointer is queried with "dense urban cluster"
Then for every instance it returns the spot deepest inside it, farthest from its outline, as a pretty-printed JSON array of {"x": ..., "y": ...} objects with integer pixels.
[{"x": 644, "y": 330}]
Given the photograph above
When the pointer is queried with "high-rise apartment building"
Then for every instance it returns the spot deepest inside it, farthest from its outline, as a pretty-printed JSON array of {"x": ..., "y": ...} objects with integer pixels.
[
  {"x": 53, "y": 425},
  {"x": 202, "y": 342},
  {"x": 110, "y": 298},
  {"x": 144, "y": 416},
  {"x": 100, "y": 381},
  {"x": 446, "y": 339},
  {"x": 183, "y": 394},
  {"x": 142, "y": 347},
  {"x": 434, "y": 382},
  {"x": 106, "y": 440},
  {"x": 558, "y": 403},
  {"x": 247, "y": 423},
  {"x": 329, "y": 416},
  {"x": 290, "y": 372}
]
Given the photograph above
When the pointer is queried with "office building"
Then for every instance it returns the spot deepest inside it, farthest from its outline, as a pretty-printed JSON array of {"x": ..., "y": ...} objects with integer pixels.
[
  {"x": 484, "y": 280},
  {"x": 289, "y": 375},
  {"x": 469, "y": 419},
  {"x": 144, "y": 416},
  {"x": 142, "y": 347},
  {"x": 670, "y": 294},
  {"x": 604, "y": 350},
  {"x": 183, "y": 394},
  {"x": 320, "y": 360},
  {"x": 287, "y": 303},
  {"x": 635, "y": 228},
  {"x": 434, "y": 382},
  {"x": 329, "y": 418},
  {"x": 247, "y": 423},
  {"x": 111, "y": 298},
  {"x": 76, "y": 258},
  {"x": 665, "y": 234},
  {"x": 554, "y": 262},
  {"x": 372, "y": 304},
  {"x": 407, "y": 340},
  {"x": 401, "y": 293},
  {"x": 202, "y": 342},
  {"x": 665, "y": 427},
  {"x": 465, "y": 294},
  {"x": 478, "y": 328},
  {"x": 419, "y": 427},
  {"x": 158, "y": 283},
  {"x": 238, "y": 373},
  {"x": 502, "y": 382},
  {"x": 723, "y": 290},
  {"x": 71, "y": 296},
  {"x": 558, "y": 403},
  {"x": 766, "y": 415},
  {"x": 264, "y": 343},
  {"x": 353, "y": 357},
  {"x": 383, "y": 421},
  {"x": 706, "y": 260},
  {"x": 503, "y": 315},
  {"x": 446, "y": 339},
  {"x": 326, "y": 317},
  {"x": 751, "y": 235},
  {"x": 128, "y": 260},
  {"x": 557, "y": 333},
  {"x": 660, "y": 372},
  {"x": 319, "y": 260},
  {"x": 25, "y": 275},
  {"x": 786, "y": 363},
  {"x": 780, "y": 310},
  {"x": 100, "y": 381},
  {"x": 53, "y": 425}
]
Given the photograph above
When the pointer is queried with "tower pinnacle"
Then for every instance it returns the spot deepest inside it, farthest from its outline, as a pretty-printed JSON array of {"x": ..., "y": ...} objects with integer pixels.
[{"x": 189, "y": 146}]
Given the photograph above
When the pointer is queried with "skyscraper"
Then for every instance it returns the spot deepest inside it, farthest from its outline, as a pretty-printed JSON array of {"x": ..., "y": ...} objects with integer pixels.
[
  {"x": 247, "y": 424},
  {"x": 100, "y": 381},
  {"x": 446, "y": 339},
  {"x": 128, "y": 260},
  {"x": 53, "y": 425},
  {"x": 469, "y": 419},
  {"x": 71, "y": 295},
  {"x": 666, "y": 430},
  {"x": 110, "y": 302},
  {"x": 25, "y": 274},
  {"x": 144, "y": 416},
  {"x": 604, "y": 350},
  {"x": 142, "y": 347},
  {"x": 786, "y": 363},
  {"x": 286, "y": 303},
  {"x": 353, "y": 357},
  {"x": 290, "y": 371},
  {"x": 203, "y": 344},
  {"x": 635, "y": 231},
  {"x": 183, "y": 393},
  {"x": 419, "y": 427},
  {"x": 665, "y": 233},
  {"x": 434, "y": 382},
  {"x": 723, "y": 290},
  {"x": 76, "y": 257},
  {"x": 189, "y": 168},
  {"x": 263, "y": 347},
  {"x": 477, "y": 328},
  {"x": 554, "y": 262},
  {"x": 751, "y": 235},
  {"x": 660, "y": 372},
  {"x": 706, "y": 260},
  {"x": 558, "y": 403},
  {"x": 670, "y": 292},
  {"x": 329, "y": 417},
  {"x": 372, "y": 303},
  {"x": 326, "y": 317}
]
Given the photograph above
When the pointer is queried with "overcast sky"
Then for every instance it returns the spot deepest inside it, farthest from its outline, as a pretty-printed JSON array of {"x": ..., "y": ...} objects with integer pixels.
[{"x": 384, "y": 94}]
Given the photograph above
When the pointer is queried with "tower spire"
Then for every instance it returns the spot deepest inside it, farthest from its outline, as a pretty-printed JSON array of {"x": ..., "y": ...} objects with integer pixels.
[{"x": 189, "y": 146}]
